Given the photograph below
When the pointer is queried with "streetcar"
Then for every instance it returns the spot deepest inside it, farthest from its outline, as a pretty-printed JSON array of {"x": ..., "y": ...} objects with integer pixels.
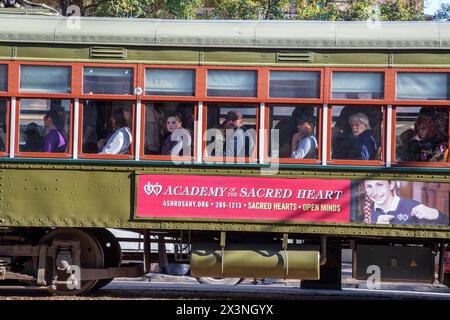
[{"x": 257, "y": 149}]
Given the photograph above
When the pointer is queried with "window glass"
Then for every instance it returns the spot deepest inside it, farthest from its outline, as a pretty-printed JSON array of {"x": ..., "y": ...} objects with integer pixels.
[
  {"x": 421, "y": 134},
  {"x": 231, "y": 130},
  {"x": 172, "y": 82},
  {"x": 107, "y": 127},
  {"x": 289, "y": 84},
  {"x": 3, "y": 125},
  {"x": 44, "y": 125},
  {"x": 3, "y": 77},
  {"x": 231, "y": 83},
  {"x": 45, "y": 79},
  {"x": 107, "y": 80},
  {"x": 169, "y": 128},
  {"x": 358, "y": 85},
  {"x": 356, "y": 132},
  {"x": 294, "y": 131},
  {"x": 422, "y": 86}
]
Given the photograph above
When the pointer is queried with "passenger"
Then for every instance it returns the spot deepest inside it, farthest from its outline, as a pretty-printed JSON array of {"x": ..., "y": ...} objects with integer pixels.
[
  {"x": 361, "y": 144},
  {"x": 177, "y": 138},
  {"x": 55, "y": 140},
  {"x": 304, "y": 142},
  {"x": 33, "y": 138},
  {"x": 423, "y": 143},
  {"x": 120, "y": 140},
  {"x": 154, "y": 120},
  {"x": 239, "y": 141},
  {"x": 384, "y": 206}
]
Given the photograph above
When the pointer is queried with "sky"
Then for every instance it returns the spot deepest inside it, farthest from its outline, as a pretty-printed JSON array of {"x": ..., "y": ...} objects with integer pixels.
[{"x": 431, "y": 6}]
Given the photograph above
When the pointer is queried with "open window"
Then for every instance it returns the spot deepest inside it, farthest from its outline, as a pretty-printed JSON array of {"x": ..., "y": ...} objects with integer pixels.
[
  {"x": 44, "y": 128},
  {"x": 231, "y": 132},
  {"x": 107, "y": 130},
  {"x": 294, "y": 132},
  {"x": 357, "y": 134},
  {"x": 421, "y": 135},
  {"x": 169, "y": 129}
]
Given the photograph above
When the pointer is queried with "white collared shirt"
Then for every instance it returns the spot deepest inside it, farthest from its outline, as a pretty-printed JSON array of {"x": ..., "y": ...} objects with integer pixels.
[{"x": 393, "y": 206}]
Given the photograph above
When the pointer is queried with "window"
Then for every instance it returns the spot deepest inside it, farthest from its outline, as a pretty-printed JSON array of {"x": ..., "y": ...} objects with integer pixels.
[
  {"x": 3, "y": 125},
  {"x": 356, "y": 132},
  {"x": 231, "y": 130},
  {"x": 45, "y": 79},
  {"x": 290, "y": 84},
  {"x": 231, "y": 83},
  {"x": 358, "y": 85},
  {"x": 169, "y": 128},
  {"x": 3, "y": 77},
  {"x": 294, "y": 131},
  {"x": 107, "y": 127},
  {"x": 421, "y": 134},
  {"x": 107, "y": 80},
  {"x": 172, "y": 82},
  {"x": 44, "y": 125},
  {"x": 422, "y": 86}
]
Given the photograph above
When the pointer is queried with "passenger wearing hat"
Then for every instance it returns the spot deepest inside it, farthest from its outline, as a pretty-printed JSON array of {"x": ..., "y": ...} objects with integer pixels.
[
  {"x": 33, "y": 138},
  {"x": 239, "y": 141},
  {"x": 304, "y": 142}
]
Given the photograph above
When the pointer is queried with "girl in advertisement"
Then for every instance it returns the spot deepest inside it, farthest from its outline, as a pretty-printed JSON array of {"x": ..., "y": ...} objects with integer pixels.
[{"x": 384, "y": 206}]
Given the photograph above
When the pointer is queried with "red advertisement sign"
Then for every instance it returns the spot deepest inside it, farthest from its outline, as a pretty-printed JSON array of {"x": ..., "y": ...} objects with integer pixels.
[{"x": 243, "y": 198}]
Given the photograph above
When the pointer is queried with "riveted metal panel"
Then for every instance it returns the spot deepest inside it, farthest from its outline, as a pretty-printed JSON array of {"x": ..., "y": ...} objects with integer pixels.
[
  {"x": 237, "y": 57},
  {"x": 47, "y": 52},
  {"x": 379, "y": 59},
  {"x": 169, "y": 56},
  {"x": 411, "y": 58},
  {"x": 5, "y": 52}
]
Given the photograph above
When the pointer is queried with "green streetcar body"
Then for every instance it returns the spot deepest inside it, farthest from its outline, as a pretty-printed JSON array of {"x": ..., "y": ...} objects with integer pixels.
[{"x": 100, "y": 193}]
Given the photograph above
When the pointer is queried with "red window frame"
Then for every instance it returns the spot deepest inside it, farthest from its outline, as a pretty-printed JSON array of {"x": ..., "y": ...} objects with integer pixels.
[
  {"x": 14, "y": 89},
  {"x": 381, "y": 162},
  {"x": 261, "y": 85},
  {"x": 82, "y": 96},
  {"x": 415, "y": 103},
  {"x": 8, "y": 129},
  {"x": 268, "y": 159},
  {"x": 82, "y": 155},
  {"x": 229, "y": 160},
  {"x": 166, "y": 157},
  {"x": 21, "y": 154},
  {"x": 328, "y": 87},
  {"x": 162, "y": 98}
]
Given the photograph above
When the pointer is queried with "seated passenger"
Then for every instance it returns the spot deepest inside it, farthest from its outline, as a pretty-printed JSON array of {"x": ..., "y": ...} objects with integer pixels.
[
  {"x": 423, "y": 143},
  {"x": 33, "y": 138},
  {"x": 241, "y": 142},
  {"x": 361, "y": 145},
  {"x": 55, "y": 140},
  {"x": 120, "y": 140},
  {"x": 304, "y": 143},
  {"x": 177, "y": 138}
]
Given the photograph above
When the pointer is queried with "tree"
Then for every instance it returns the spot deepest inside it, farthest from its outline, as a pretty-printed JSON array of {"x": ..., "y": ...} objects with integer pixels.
[
  {"x": 443, "y": 13},
  {"x": 317, "y": 10}
]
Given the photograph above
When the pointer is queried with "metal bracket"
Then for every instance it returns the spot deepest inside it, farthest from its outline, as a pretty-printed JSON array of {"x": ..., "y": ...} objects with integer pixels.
[{"x": 223, "y": 236}]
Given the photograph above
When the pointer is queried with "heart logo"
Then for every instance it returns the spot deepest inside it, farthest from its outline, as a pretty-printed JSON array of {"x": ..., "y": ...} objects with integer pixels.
[
  {"x": 403, "y": 217},
  {"x": 153, "y": 188}
]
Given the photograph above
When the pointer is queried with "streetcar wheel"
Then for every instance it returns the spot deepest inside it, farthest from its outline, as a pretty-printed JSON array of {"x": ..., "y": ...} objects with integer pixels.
[
  {"x": 224, "y": 281},
  {"x": 91, "y": 257},
  {"x": 111, "y": 251}
]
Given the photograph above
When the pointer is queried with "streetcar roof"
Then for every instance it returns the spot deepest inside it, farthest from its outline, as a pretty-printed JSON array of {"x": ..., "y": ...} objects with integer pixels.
[{"x": 230, "y": 33}]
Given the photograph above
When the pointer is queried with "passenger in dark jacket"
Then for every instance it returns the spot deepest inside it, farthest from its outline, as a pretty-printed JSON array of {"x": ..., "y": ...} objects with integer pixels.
[{"x": 361, "y": 144}]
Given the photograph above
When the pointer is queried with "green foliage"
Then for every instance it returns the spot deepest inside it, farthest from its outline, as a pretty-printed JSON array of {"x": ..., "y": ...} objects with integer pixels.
[
  {"x": 443, "y": 13},
  {"x": 400, "y": 10},
  {"x": 317, "y": 10}
]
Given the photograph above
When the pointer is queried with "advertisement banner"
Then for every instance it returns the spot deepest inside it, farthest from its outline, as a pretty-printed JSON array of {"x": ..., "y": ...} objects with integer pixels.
[
  {"x": 243, "y": 198},
  {"x": 283, "y": 200}
]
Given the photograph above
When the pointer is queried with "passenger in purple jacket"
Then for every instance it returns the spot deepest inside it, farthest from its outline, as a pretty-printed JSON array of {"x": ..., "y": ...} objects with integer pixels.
[
  {"x": 55, "y": 140},
  {"x": 386, "y": 207}
]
